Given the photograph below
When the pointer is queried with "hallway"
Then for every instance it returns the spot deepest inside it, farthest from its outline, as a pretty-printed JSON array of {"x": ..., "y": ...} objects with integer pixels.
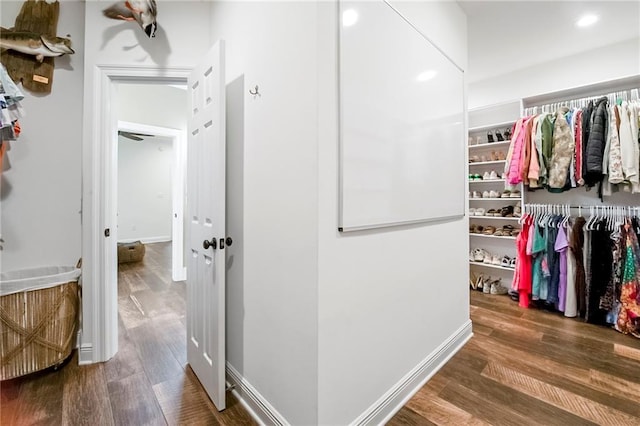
[
  {"x": 147, "y": 382},
  {"x": 522, "y": 367}
]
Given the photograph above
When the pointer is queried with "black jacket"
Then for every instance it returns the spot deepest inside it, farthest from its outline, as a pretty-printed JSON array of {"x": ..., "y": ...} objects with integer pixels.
[{"x": 596, "y": 143}]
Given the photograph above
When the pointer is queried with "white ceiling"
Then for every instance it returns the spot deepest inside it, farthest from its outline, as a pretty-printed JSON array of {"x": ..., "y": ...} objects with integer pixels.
[{"x": 505, "y": 36}]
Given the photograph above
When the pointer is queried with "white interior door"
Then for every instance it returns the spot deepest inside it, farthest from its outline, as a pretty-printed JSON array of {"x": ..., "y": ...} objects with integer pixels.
[{"x": 206, "y": 224}]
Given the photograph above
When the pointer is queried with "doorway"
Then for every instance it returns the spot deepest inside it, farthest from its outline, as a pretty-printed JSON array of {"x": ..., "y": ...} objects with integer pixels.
[
  {"x": 99, "y": 335},
  {"x": 151, "y": 184}
]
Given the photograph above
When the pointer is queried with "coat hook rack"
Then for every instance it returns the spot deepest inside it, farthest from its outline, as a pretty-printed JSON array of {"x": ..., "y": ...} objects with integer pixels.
[{"x": 255, "y": 92}]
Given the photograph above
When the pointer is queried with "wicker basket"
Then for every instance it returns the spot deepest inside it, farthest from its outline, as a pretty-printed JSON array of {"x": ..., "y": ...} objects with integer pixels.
[{"x": 38, "y": 327}]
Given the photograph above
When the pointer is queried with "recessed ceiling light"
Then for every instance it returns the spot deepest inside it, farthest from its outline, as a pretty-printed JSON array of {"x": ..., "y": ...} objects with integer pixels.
[
  {"x": 587, "y": 20},
  {"x": 427, "y": 75},
  {"x": 349, "y": 17}
]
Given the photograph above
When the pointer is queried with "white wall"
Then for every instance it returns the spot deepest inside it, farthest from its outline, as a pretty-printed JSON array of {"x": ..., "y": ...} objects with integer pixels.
[
  {"x": 272, "y": 303},
  {"x": 144, "y": 189},
  {"x": 40, "y": 194},
  {"x": 607, "y": 63},
  {"x": 387, "y": 298},
  {"x": 153, "y": 105}
]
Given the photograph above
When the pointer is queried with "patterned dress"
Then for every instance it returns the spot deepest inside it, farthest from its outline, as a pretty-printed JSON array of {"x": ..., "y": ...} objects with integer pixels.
[{"x": 629, "y": 315}]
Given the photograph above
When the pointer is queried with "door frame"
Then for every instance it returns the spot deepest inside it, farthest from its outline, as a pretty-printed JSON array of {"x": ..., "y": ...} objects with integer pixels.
[
  {"x": 98, "y": 336},
  {"x": 178, "y": 165}
]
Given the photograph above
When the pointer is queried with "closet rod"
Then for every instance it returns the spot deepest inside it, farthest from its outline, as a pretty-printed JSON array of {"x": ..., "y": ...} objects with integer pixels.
[{"x": 628, "y": 94}]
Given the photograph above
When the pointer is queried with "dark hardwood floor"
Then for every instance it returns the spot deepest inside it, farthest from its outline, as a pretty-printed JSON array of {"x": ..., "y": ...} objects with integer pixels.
[
  {"x": 531, "y": 367},
  {"x": 522, "y": 367},
  {"x": 148, "y": 382}
]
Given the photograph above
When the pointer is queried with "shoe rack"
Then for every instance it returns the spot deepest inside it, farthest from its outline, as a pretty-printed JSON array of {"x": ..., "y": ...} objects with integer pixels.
[{"x": 493, "y": 208}]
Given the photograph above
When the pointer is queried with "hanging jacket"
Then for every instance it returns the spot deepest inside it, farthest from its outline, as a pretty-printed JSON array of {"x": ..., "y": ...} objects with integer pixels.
[
  {"x": 596, "y": 143},
  {"x": 615, "y": 154},
  {"x": 517, "y": 143},
  {"x": 586, "y": 128},
  {"x": 562, "y": 152}
]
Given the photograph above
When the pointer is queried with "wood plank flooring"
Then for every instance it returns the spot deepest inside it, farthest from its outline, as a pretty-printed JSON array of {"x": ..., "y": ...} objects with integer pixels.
[
  {"x": 148, "y": 382},
  {"x": 522, "y": 367},
  {"x": 532, "y": 367}
]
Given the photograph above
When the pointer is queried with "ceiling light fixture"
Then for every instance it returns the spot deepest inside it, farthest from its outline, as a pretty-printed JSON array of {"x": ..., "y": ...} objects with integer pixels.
[{"x": 587, "y": 20}]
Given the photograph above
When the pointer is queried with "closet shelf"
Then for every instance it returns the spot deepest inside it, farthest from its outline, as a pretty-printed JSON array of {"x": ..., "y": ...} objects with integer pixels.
[
  {"x": 490, "y": 145},
  {"x": 493, "y": 217},
  {"x": 481, "y": 163},
  {"x": 489, "y": 265},
  {"x": 494, "y": 199},
  {"x": 486, "y": 181},
  {"x": 491, "y": 126},
  {"x": 508, "y": 237}
]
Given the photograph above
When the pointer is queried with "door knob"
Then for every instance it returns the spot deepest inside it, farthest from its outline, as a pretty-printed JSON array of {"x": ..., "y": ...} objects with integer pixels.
[{"x": 206, "y": 244}]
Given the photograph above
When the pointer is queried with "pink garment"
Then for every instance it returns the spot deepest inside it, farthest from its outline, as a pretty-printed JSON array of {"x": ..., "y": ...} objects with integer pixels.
[
  {"x": 534, "y": 165},
  {"x": 522, "y": 278},
  {"x": 517, "y": 142},
  {"x": 530, "y": 241},
  {"x": 561, "y": 246}
]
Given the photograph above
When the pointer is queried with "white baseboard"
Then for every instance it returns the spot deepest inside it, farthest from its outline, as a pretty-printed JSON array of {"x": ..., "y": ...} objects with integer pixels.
[
  {"x": 148, "y": 240},
  {"x": 255, "y": 404},
  {"x": 394, "y": 399},
  {"x": 85, "y": 354}
]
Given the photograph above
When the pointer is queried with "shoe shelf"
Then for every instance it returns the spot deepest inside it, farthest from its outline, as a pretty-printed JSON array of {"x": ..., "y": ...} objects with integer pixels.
[
  {"x": 484, "y": 163},
  {"x": 491, "y": 265},
  {"x": 491, "y": 126},
  {"x": 495, "y": 199},
  {"x": 485, "y": 181},
  {"x": 508, "y": 237},
  {"x": 493, "y": 217},
  {"x": 501, "y": 144}
]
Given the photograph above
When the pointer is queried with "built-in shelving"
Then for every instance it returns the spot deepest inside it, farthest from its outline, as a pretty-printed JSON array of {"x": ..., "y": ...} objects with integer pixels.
[
  {"x": 493, "y": 217},
  {"x": 483, "y": 163},
  {"x": 485, "y": 150},
  {"x": 485, "y": 181},
  {"x": 508, "y": 237},
  {"x": 503, "y": 144},
  {"x": 491, "y": 126},
  {"x": 491, "y": 265},
  {"x": 494, "y": 199}
]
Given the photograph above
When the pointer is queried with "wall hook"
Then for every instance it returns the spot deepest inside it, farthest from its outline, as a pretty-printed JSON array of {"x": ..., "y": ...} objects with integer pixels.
[{"x": 255, "y": 92}]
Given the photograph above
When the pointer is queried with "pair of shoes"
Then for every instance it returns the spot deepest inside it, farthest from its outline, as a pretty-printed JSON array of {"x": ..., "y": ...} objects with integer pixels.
[
  {"x": 497, "y": 287},
  {"x": 507, "y": 133},
  {"x": 478, "y": 255},
  {"x": 476, "y": 229},
  {"x": 490, "y": 194},
  {"x": 493, "y": 212},
  {"x": 506, "y": 211},
  {"x": 498, "y": 134},
  {"x": 473, "y": 177},
  {"x": 486, "y": 285},
  {"x": 510, "y": 194},
  {"x": 490, "y": 175}
]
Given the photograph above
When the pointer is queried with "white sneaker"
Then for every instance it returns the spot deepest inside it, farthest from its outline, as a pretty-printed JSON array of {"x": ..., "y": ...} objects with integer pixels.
[
  {"x": 486, "y": 176},
  {"x": 495, "y": 260},
  {"x": 498, "y": 288},
  {"x": 493, "y": 175}
]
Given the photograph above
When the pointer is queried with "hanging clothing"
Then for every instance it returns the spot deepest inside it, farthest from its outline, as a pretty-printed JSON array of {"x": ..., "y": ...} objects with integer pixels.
[
  {"x": 571, "y": 306},
  {"x": 576, "y": 244},
  {"x": 596, "y": 143},
  {"x": 522, "y": 275},
  {"x": 561, "y": 152},
  {"x": 628, "y": 320},
  {"x": 561, "y": 247}
]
